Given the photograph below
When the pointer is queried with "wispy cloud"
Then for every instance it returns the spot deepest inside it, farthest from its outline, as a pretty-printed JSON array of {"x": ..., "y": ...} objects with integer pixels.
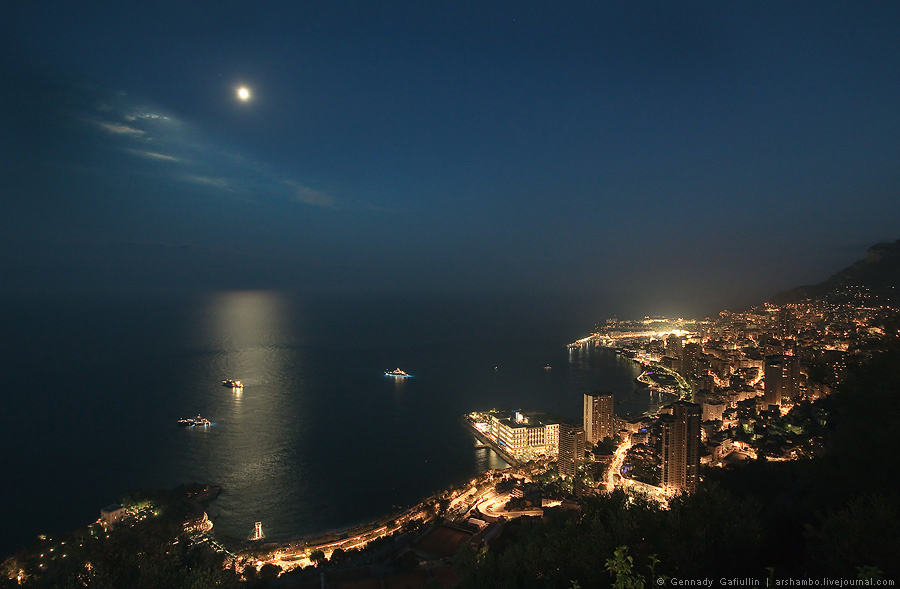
[
  {"x": 312, "y": 197},
  {"x": 139, "y": 115},
  {"x": 130, "y": 123},
  {"x": 120, "y": 129},
  {"x": 151, "y": 135},
  {"x": 154, "y": 155},
  {"x": 221, "y": 183}
]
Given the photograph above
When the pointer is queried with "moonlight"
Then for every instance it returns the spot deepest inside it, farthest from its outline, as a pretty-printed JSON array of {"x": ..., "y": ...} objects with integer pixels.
[{"x": 243, "y": 94}]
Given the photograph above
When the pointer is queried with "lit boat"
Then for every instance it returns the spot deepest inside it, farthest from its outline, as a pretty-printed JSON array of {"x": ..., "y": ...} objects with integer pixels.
[
  {"x": 548, "y": 367},
  {"x": 398, "y": 373},
  {"x": 235, "y": 384},
  {"x": 194, "y": 422}
]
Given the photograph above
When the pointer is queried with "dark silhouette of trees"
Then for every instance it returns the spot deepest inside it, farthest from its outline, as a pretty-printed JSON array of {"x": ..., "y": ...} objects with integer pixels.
[
  {"x": 605, "y": 446},
  {"x": 152, "y": 553},
  {"x": 338, "y": 556}
]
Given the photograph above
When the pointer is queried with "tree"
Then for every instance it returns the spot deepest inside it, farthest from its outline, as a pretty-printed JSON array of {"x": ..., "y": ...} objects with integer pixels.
[
  {"x": 338, "y": 555},
  {"x": 864, "y": 535},
  {"x": 605, "y": 446},
  {"x": 621, "y": 568},
  {"x": 269, "y": 572}
]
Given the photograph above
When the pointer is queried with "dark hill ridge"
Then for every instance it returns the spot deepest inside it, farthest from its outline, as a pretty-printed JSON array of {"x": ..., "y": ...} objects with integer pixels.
[{"x": 879, "y": 273}]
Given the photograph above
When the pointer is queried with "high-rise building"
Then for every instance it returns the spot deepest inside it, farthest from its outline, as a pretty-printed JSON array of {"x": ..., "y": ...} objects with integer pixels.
[
  {"x": 571, "y": 448},
  {"x": 690, "y": 357},
  {"x": 675, "y": 349},
  {"x": 786, "y": 323},
  {"x": 681, "y": 447},
  {"x": 599, "y": 420},
  {"x": 674, "y": 345},
  {"x": 781, "y": 376},
  {"x": 794, "y": 376},
  {"x": 773, "y": 379}
]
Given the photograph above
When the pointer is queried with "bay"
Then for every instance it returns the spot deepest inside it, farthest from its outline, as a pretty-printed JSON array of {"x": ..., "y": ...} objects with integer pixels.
[{"x": 317, "y": 439}]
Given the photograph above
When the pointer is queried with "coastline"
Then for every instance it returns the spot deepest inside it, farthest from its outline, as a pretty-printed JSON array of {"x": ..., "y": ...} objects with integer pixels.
[{"x": 490, "y": 443}]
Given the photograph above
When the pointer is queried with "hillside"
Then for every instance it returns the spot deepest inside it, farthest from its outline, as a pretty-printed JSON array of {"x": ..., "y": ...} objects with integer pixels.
[{"x": 877, "y": 276}]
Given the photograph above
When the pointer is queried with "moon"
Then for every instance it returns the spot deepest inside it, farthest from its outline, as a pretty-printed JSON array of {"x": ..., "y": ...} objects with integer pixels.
[{"x": 243, "y": 93}]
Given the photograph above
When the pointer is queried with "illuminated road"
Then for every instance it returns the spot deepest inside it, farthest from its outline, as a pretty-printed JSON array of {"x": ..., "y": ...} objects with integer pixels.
[
  {"x": 613, "y": 473},
  {"x": 493, "y": 505},
  {"x": 615, "y": 479},
  {"x": 292, "y": 555}
]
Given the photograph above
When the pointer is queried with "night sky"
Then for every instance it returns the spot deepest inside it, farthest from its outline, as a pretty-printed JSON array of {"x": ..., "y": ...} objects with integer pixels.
[{"x": 681, "y": 157}]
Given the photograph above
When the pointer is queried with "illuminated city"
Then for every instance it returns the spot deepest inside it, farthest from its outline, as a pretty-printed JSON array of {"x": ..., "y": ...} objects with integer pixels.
[
  {"x": 744, "y": 387},
  {"x": 442, "y": 294}
]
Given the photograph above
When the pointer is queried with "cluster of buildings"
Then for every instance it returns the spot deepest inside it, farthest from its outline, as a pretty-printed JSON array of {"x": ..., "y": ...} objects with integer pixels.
[
  {"x": 524, "y": 436},
  {"x": 744, "y": 372},
  {"x": 741, "y": 371}
]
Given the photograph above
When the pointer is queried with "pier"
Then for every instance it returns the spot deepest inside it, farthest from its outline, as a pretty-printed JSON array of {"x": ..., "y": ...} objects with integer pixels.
[{"x": 489, "y": 443}]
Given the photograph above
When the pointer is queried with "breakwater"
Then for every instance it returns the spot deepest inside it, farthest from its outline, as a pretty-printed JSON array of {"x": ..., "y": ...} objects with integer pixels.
[{"x": 464, "y": 420}]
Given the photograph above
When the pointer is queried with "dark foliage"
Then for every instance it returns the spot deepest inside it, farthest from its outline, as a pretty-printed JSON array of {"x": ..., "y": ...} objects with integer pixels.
[
  {"x": 152, "y": 552},
  {"x": 149, "y": 555}
]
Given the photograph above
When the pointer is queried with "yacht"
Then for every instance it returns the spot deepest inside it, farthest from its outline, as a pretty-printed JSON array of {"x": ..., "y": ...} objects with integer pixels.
[
  {"x": 235, "y": 384},
  {"x": 194, "y": 422},
  {"x": 398, "y": 373}
]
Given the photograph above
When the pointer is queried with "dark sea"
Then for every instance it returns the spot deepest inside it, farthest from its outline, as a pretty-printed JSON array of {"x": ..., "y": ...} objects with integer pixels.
[{"x": 318, "y": 439}]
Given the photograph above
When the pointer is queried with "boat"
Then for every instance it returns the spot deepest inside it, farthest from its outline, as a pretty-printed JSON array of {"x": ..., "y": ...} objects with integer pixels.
[
  {"x": 398, "y": 373},
  {"x": 235, "y": 384},
  {"x": 194, "y": 422},
  {"x": 548, "y": 367}
]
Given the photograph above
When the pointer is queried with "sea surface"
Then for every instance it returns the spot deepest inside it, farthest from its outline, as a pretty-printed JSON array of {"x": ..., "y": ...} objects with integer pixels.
[{"x": 318, "y": 439}]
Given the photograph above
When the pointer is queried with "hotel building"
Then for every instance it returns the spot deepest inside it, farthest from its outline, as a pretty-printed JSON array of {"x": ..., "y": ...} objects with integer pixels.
[{"x": 526, "y": 436}]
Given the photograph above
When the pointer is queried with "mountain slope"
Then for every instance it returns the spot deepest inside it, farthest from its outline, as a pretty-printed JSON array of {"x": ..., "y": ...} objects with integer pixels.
[{"x": 878, "y": 273}]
